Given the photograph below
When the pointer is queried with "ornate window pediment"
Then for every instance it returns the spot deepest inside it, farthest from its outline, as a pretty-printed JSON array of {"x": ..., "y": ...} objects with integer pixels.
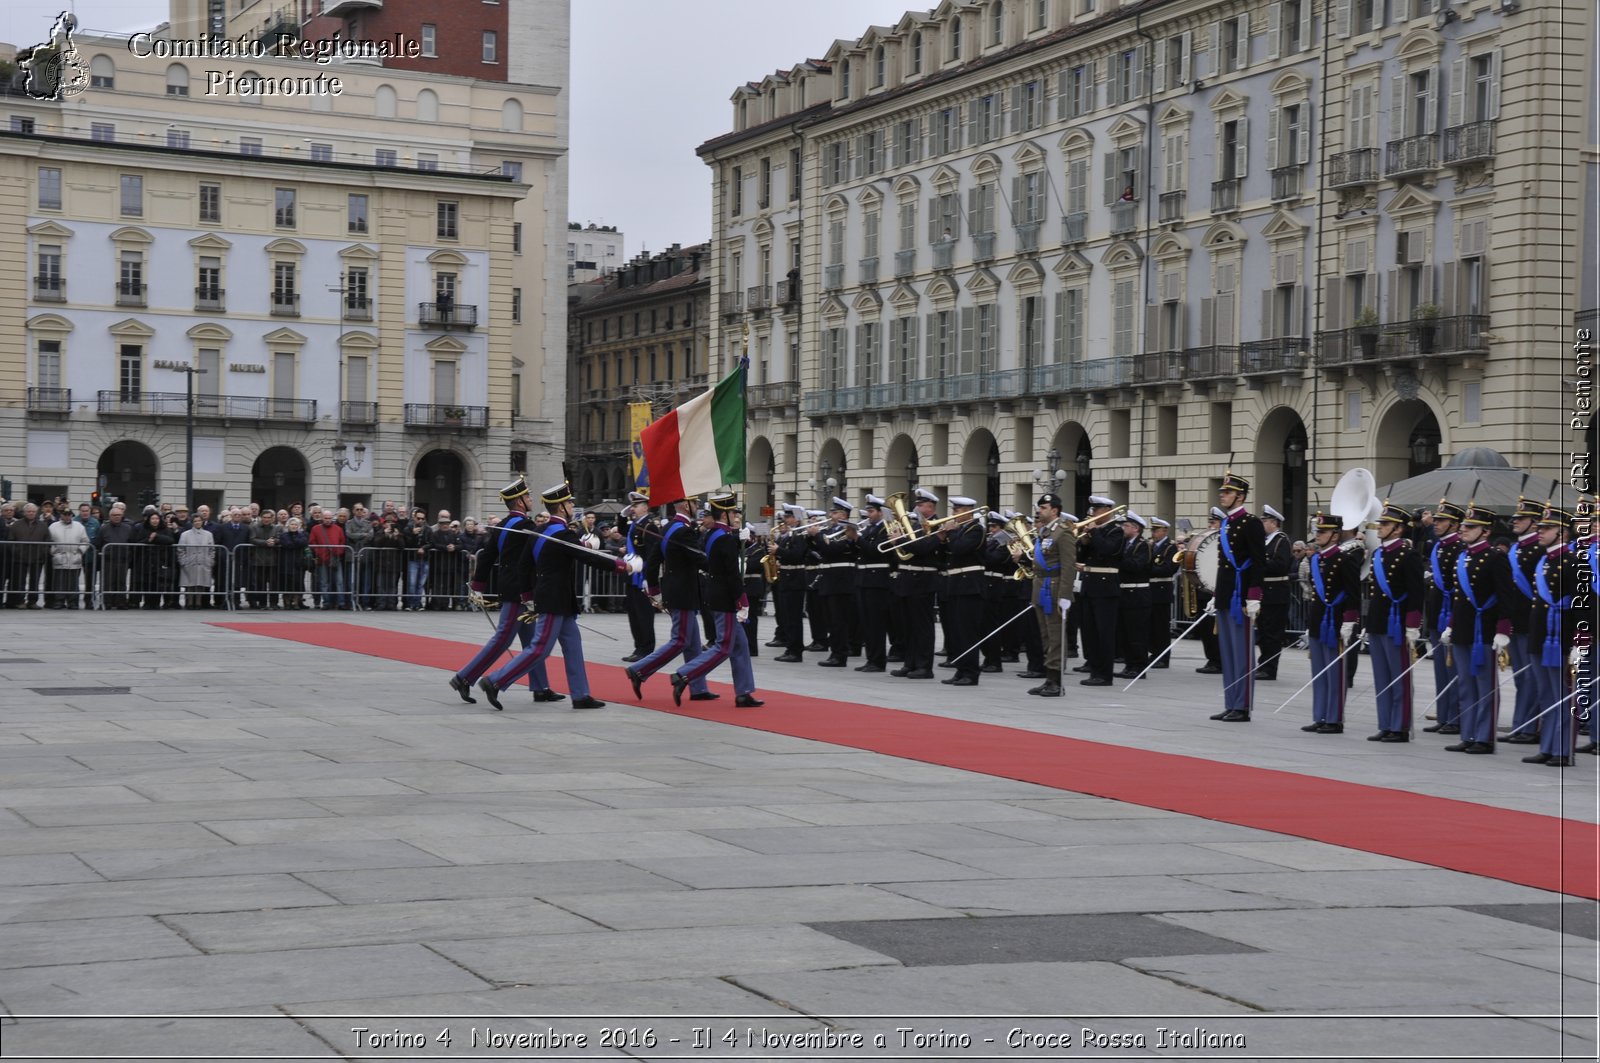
[
  {"x": 1077, "y": 140},
  {"x": 130, "y": 329},
  {"x": 447, "y": 257},
  {"x": 869, "y": 196},
  {"x": 945, "y": 179},
  {"x": 447, "y": 346},
  {"x": 1072, "y": 264},
  {"x": 133, "y": 235},
  {"x": 1290, "y": 83},
  {"x": 1026, "y": 274},
  {"x": 1412, "y": 200},
  {"x": 359, "y": 251},
  {"x": 210, "y": 332},
  {"x": 904, "y": 298},
  {"x": 1126, "y": 128},
  {"x": 366, "y": 341},
  {"x": 1223, "y": 234},
  {"x": 983, "y": 282},
  {"x": 1284, "y": 226},
  {"x": 284, "y": 337},
  {"x": 833, "y": 309},
  {"x": 210, "y": 242},
  {"x": 1421, "y": 43},
  {"x": 941, "y": 291},
  {"x": 836, "y": 204},
  {"x": 1028, "y": 157},
  {"x": 1121, "y": 255},
  {"x": 50, "y": 230},
  {"x": 1170, "y": 246},
  {"x": 283, "y": 246},
  {"x": 49, "y": 323},
  {"x": 1228, "y": 100},
  {"x": 1172, "y": 114},
  {"x": 986, "y": 165},
  {"x": 907, "y": 187},
  {"x": 868, "y": 304}
]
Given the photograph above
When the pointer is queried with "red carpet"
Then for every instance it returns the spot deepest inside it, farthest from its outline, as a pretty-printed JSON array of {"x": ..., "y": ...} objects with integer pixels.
[{"x": 1546, "y": 852}]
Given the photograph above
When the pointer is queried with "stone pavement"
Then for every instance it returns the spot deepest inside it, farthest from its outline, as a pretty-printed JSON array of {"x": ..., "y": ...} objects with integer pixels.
[{"x": 287, "y": 846}]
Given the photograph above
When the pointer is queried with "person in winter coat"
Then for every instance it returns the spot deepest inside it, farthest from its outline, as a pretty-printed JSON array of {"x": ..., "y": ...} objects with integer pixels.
[
  {"x": 152, "y": 557},
  {"x": 359, "y": 531},
  {"x": 388, "y": 565},
  {"x": 69, "y": 542},
  {"x": 328, "y": 554},
  {"x": 197, "y": 561},
  {"x": 265, "y": 535},
  {"x": 292, "y": 547},
  {"x": 114, "y": 549},
  {"x": 32, "y": 558}
]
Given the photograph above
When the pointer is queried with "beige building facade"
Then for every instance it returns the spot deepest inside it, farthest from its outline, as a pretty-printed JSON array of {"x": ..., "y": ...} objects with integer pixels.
[
  {"x": 364, "y": 276},
  {"x": 1056, "y": 243}
]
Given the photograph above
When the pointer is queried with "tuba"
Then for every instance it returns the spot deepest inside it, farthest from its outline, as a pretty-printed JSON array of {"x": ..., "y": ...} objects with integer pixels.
[
  {"x": 1356, "y": 503},
  {"x": 898, "y": 528},
  {"x": 1024, "y": 541}
]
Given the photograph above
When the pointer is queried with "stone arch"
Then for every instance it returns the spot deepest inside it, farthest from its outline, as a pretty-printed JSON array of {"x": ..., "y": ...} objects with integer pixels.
[
  {"x": 980, "y": 467},
  {"x": 427, "y": 106},
  {"x": 761, "y": 476},
  {"x": 511, "y": 116},
  {"x": 126, "y": 469},
  {"x": 177, "y": 78},
  {"x": 440, "y": 476},
  {"x": 1071, "y": 439},
  {"x": 832, "y": 451},
  {"x": 385, "y": 101},
  {"x": 901, "y": 456},
  {"x": 1396, "y": 421},
  {"x": 1275, "y": 482},
  {"x": 279, "y": 477}
]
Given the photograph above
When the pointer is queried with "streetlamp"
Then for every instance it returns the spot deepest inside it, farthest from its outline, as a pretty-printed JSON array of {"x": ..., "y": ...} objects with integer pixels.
[
  {"x": 189, "y": 371},
  {"x": 911, "y": 473},
  {"x": 341, "y": 458},
  {"x": 827, "y": 477}
]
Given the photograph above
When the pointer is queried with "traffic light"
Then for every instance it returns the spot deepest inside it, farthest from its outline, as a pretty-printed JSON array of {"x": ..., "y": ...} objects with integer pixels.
[
  {"x": 94, "y": 498},
  {"x": 148, "y": 497}
]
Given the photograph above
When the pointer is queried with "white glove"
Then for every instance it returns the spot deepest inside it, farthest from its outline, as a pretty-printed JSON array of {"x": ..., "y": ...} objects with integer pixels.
[
  {"x": 1077, "y": 584},
  {"x": 1252, "y": 608},
  {"x": 744, "y": 535},
  {"x": 591, "y": 541},
  {"x": 1065, "y": 605},
  {"x": 483, "y": 601},
  {"x": 1444, "y": 637},
  {"x": 1413, "y": 634},
  {"x": 1501, "y": 642},
  {"x": 1347, "y": 631},
  {"x": 742, "y": 615},
  {"x": 1575, "y": 658},
  {"x": 634, "y": 562},
  {"x": 1211, "y": 607}
]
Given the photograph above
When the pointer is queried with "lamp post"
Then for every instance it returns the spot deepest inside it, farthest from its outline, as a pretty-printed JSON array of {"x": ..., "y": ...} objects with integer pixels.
[
  {"x": 911, "y": 474},
  {"x": 340, "y": 449},
  {"x": 189, "y": 371},
  {"x": 828, "y": 481}
]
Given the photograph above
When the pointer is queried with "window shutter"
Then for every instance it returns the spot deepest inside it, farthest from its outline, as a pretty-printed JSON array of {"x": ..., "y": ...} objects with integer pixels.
[
  {"x": 974, "y": 206},
  {"x": 1138, "y": 170},
  {"x": 1184, "y": 58},
  {"x": 1244, "y": 41},
  {"x": 1395, "y": 309},
  {"x": 1058, "y": 348},
  {"x": 1019, "y": 205},
  {"x": 1302, "y": 150},
  {"x": 1342, "y": 18},
  {"x": 1305, "y": 25},
  {"x": 1275, "y": 29},
  {"x": 1110, "y": 184},
  {"x": 1355, "y": 256},
  {"x": 1494, "y": 87},
  {"x": 1397, "y": 107},
  {"x": 1447, "y": 293},
  {"x": 968, "y": 340},
  {"x": 1158, "y": 71},
  {"x": 1274, "y": 116},
  {"x": 1016, "y": 108},
  {"x": 1432, "y": 121},
  {"x": 1216, "y": 48},
  {"x": 1267, "y": 310},
  {"x": 933, "y": 220},
  {"x": 1333, "y": 303},
  {"x": 1063, "y": 88},
  {"x": 1297, "y": 312},
  {"x": 1241, "y": 148},
  {"x": 972, "y": 131},
  {"x": 1141, "y": 71},
  {"x": 1402, "y": 10},
  {"x": 1208, "y": 317},
  {"x": 1152, "y": 328}
]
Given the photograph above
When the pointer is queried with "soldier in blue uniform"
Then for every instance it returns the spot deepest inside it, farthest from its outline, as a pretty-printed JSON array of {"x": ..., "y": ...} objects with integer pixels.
[
  {"x": 1238, "y": 597},
  {"x": 963, "y": 588},
  {"x": 1100, "y": 574},
  {"x": 873, "y": 574},
  {"x": 555, "y": 597},
  {"x": 835, "y": 547},
  {"x": 1440, "y": 575},
  {"x": 1479, "y": 629},
  {"x": 1524, "y": 557},
  {"x": 1393, "y": 622},
  {"x": 1552, "y": 639},
  {"x": 914, "y": 586},
  {"x": 726, "y": 601},
  {"x": 672, "y": 571},
  {"x": 1332, "y": 610},
  {"x": 505, "y": 562}
]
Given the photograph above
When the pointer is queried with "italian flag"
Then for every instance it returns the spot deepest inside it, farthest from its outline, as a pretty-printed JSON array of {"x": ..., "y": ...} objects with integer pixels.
[{"x": 699, "y": 446}]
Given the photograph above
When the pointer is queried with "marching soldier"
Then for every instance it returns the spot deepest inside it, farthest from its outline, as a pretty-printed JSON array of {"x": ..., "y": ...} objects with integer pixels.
[
  {"x": 1164, "y": 563},
  {"x": 1332, "y": 609},
  {"x": 1587, "y": 552},
  {"x": 1552, "y": 639},
  {"x": 1479, "y": 629},
  {"x": 1525, "y": 556},
  {"x": 1054, "y": 568},
  {"x": 1440, "y": 575},
  {"x": 641, "y": 614},
  {"x": 963, "y": 589},
  {"x": 1238, "y": 597},
  {"x": 1275, "y": 575},
  {"x": 1133, "y": 609},
  {"x": 726, "y": 600},
  {"x": 791, "y": 547},
  {"x": 506, "y": 563},
  {"x": 1393, "y": 622},
  {"x": 835, "y": 547},
  {"x": 914, "y": 586},
  {"x": 1100, "y": 568},
  {"x": 998, "y": 568},
  {"x": 872, "y": 576},
  {"x": 672, "y": 571}
]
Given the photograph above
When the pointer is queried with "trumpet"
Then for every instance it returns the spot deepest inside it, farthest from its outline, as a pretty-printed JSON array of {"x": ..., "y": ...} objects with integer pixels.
[{"x": 1098, "y": 519}]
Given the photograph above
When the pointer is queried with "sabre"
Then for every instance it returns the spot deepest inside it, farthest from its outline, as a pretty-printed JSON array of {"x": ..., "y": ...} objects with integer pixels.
[
  {"x": 563, "y": 542},
  {"x": 1427, "y": 655},
  {"x": 1025, "y": 609},
  {"x": 1208, "y": 614},
  {"x": 1337, "y": 660},
  {"x": 1575, "y": 692},
  {"x": 681, "y": 546},
  {"x": 1441, "y": 694}
]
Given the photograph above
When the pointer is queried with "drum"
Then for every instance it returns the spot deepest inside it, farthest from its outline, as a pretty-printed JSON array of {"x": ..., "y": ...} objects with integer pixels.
[{"x": 1203, "y": 559}]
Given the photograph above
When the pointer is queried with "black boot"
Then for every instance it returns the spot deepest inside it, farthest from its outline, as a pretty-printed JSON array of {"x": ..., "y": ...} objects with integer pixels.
[{"x": 1052, "y": 685}]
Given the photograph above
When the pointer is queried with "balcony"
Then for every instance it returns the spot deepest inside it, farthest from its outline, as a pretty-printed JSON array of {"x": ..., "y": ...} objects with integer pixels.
[
  {"x": 1399, "y": 340},
  {"x": 279, "y": 24},
  {"x": 833, "y": 277},
  {"x": 773, "y": 396},
  {"x": 130, "y": 294},
  {"x": 1410, "y": 156},
  {"x": 50, "y": 289},
  {"x": 50, "y": 400},
  {"x": 690, "y": 386},
  {"x": 1074, "y": 228},
  {"x": 1225, "y": 195},
  {"x": 983, "y": 247},
  {"x": 1352, "y": 169},
  {"x": 1470, "y": 143},
  {"x": 1027, "y": 237},
  {"x": 285, "y": 304},
  {"x": 834, "y": 400},
  {"x": 447, "y": 315},
  {"x": 730, "y": 304},
  {"x": 1288, "y": 182},
  {"x": 944, "y": 254},
  {"x": 209, "y": 299},
  {"x": 1212, "y": 362},
  {"x": 867, "y": 271},
  {"x": 133, "y": 403},
  {"x": 758, "y": 297},
  {"x": 1156, "y": 367},
  {"x": 424, "y": 415},
  {"x": 358, "y": 414},
  {"x": 357, "y": 308},
  {"x": 905, "y": 262},
  {"x": 1282, "y": 356},
  {"x": 1173, "y": 207},
  {"x": 343, "y": 8},
  {"x": 788, "y": 292},
  {"x": 1124, "y": 217}
]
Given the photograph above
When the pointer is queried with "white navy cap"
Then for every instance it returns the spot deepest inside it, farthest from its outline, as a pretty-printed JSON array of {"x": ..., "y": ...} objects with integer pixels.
[
  {"x": 1070, "y": 518},
  {"x": 874, "y": 501},
  {"x": 1217, "y": 514},
  {"x": 841, "y": 504},
  {"x": 995, "y": 517},
  {"x": 922, "y": 494},
  {"x": 1269, "y": 512},
  {"x": 1134, "y": 518},
  {"x": 1157, "y": 522},
  {"x": 962, "y": 500},
  {"x": 795, "y": 508},
  {"x": 815, "y": 513},
  {"x": 1100, "y": 500}
]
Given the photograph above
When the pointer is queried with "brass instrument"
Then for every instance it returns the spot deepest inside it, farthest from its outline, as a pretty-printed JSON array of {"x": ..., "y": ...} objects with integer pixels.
[
  {"x": 1099, "y": 518},
  {"x": 769, "y": 567},
  {"x": 898, "y": 527},
  {"x": 1024, "y": 540},
  {"x": 978, "y": 513}
]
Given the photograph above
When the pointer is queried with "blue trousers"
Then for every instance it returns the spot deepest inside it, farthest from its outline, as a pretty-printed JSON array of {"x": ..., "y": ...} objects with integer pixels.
[
  {"x": 1448, "y": 706},
  {"x": 1388, "y": 662},
  {"x": 416, "y": 582},
  {"x": 685, "y": 639},
  {"x": 730, "y": 645},
  {"x": 551, "y": 628},
  {"x": 1527, "y": 684},
  {"x": 504, "y": 629},
  {"x": 1234, "y": 643},
  {"x": 1480, "y": 695},
  {"x": 1327, "y": 693},
  {"x": 1557, "y": 735}
]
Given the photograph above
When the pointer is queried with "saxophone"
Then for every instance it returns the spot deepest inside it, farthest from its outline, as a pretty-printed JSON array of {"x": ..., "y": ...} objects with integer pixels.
[{"x": 769, "y": 567}]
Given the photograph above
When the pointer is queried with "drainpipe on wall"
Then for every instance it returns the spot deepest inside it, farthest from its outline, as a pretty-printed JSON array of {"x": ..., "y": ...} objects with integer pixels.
[
  {"x": 1149, "y": 205},
  {"x": 1322, "y": 210}
]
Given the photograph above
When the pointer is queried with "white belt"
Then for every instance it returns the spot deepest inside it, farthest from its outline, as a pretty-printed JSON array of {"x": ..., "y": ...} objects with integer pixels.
[
  {"x": 791, "y": 568},
  {"x": 998, "y": 575},
  {"x": 964, "y": 571},
  {"x": 1104, "y": 571},
  {"x": 838, "y": 564},
  {"x": 1274, "y": 579},
  {"x": 917, "y": 568},
  {"x": 1133, "y": 586},
  {"x": 866, "y": 568}
]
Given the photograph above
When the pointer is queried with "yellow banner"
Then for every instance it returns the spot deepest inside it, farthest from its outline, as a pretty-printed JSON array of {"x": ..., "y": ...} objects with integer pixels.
[{"x": 638, "y": 418}]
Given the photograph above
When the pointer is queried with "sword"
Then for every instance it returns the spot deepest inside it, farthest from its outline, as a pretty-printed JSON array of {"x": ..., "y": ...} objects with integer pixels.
[
  {"x": 1576, "y": 690},
  {"x": 1208, "y": 614},
  {"x": 563, "y": 542},
  {"x": 1426, "y": 656},
  {"x": 990, "y": 635},
  {"x": 1441, "y": 693},
  {"x": 1339, "y": 659}
]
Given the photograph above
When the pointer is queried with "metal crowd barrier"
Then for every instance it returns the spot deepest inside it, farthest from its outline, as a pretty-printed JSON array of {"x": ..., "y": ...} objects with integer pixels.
[{"x": 24, "y": 573}]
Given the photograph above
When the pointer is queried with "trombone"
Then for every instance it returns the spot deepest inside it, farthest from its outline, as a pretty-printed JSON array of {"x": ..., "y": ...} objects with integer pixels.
[
  {"x": 1109, "y": 516},
  {"x": 929, "y": 526}
]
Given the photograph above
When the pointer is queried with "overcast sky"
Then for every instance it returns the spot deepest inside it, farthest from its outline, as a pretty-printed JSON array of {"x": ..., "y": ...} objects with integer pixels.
[{"x": 650, "y": 81}]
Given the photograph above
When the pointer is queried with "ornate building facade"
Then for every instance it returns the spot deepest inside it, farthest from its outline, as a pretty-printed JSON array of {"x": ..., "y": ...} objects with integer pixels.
[{"x": 1014, "y": 244}]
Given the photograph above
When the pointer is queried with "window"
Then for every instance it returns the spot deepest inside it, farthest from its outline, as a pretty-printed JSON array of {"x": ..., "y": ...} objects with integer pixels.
[
  {"x": 955, "y": 38},
  {"x": 356, "y": 212},
  {"x": 430, "y": 37},
  {"x": 447, "y": 219},
  {"x": 103, "y": 132},
  {"x": 283, "y": 208},
  {"x": 512, "y": 169},
  {"x": 208, "y": 283},
  {"x": 516, "y": 238},
  {"x": 1174, "y": 154},
  {"x": 1230, "y": 41},
  {"x": 997, "y": 24},
  {"x": 872, "y": 151},
  {"x": 738, "y": 191},
  {"x": 1069, "y": 325},
  {"x": 908, "y": 225},
  {"x": 1124, "y": 174},
  {"x": 47, "y": 283},
  {"x": 1027, "y": 106},
  {"x": 132, "y": 196},
  {"x": 765, "y": 199},
  {"x": 130, "y": 371},
  {"x": 322, "y": 153},
  {"x": 1041, "y": 14},
  {"x": 870, "y": 226},
  {"x": 833, "y": 355},
  {"x": 944, "y": 218},
  {"x": 1175, "y": 66},
  {"x": 1028, "y": 198},
  {"x": 916, "y": 52},
  {"x": 249, "y": 145},
  {"x": 836, "y": 163},
  {"x": 177, "y": 139},
  {"x": 491, "y": 46},
  {"x": 49, "y": 188},
  {"x": 1030, "y": 330},
  {"x": 1360, "y": 105},
  {"x": 1077, "y": 185},
  {"x": 949, "y": 121},
  {"x": 210, "y": 201},
  {"x": 21, "y": 124},
  {"x": 130, "y": 278},
  {"x": 427, "y": 160},
  {"x": 1077, "y": 91},
  {"x": 283, "y": 281},
  {"x": 177, "y": 80},
  {"x": 1233, "y": 150},
  {"x": 356, "y": 301},
  {"x": 516, "y": 305},
  {"x": 385, "y": 157},
  {"x": 47, "y": 364},
  {"x": 794, "y": 173},
  {"x": 1294, "y": 26},
  {"x": 1483, "y": 91},
  {"x": 1122, "y": 315},
  {"x": 102, "y": 74},
  {"x": 879, "y": 67},
  {"x": 941, "y": 343}
]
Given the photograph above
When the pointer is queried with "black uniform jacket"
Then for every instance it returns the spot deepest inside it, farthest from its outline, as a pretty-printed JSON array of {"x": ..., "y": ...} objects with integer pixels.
[
  {"x": 1276, "y": 570},
  {"x": 673, "y": 564},
  {"x": 555, "y": 588},
  {"x": 506, "y": 562}
]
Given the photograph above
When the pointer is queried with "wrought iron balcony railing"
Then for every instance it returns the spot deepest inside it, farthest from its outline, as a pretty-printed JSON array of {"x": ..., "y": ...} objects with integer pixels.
[
  {"x": 867, "y": 270},
  {"x": 773, "y": 395},
  {"x": 1350, "y": 169},
  {"x": 132, "y": 402},
  {"x": 447, "y": 315},
  {"x": 209, "y": 299},
  {"x": 1212, "y": 362},
  {"x": 51, "y": 288},
  {"x": 49, "y": 400},
  {"x": 1173, "y": 207},
  {"x": 1074, "y": 228},
  {"x": 1124, "y": 217},
  {"x": 1473, "y": 142},
  {"x": 358, "y": 413},
  {"x": 1225, "y": 195},
  {"x": 833, "y": 277},
  {"x": 944, "y": 254},
  {"x": 1027, "y": 236},
  {"x": 758, "y": 297},
  {"x": 285, "y": 304},
  {"x": 905, "y": 262},
  {"x": 1418, "y": 338},
  {"x": 357, "y": 308},
  {"x": 433, "y": 415},
  {"x": 983, "y": 247},
  {"x": 1281, "y": 355},
  {"x": 1411, "y": 155},
  {"x": 1287, "y": 181},
  {"x": 130, "y": 294}
]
